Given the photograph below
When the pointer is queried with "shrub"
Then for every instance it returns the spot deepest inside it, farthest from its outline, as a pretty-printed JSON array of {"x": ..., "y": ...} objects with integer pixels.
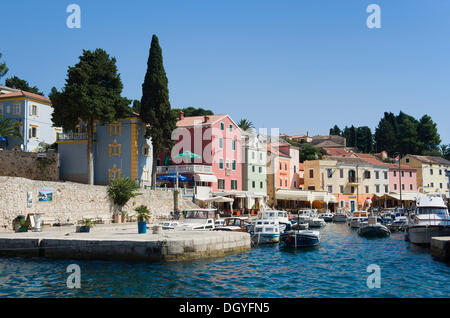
[
  {"x": 121, "y": 190},
  {"x": 143, "y": 213}
]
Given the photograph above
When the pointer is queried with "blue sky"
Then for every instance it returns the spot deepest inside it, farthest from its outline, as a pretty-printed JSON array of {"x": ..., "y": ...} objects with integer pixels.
[{"x": 301, "y": 66}]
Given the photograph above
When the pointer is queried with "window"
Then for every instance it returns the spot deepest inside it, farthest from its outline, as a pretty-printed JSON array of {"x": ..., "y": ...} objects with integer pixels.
[
  {"x": 395, "y": 186},
  {"x": 115, "y": 129},
  {"x": 17, "y": 109},
  {"x": 431, "y": 171},
  {"x": 253, "y": 184},
  {"x": 395, "y": 173},
  {"x": 253, "y": 168},
  {"x": 386, "y": 188},
  {"x": 221, "y": 184},
  {"x": 113, "y": 173},
  {"x": 227, "y": 164},
  {"x": 253, "y": 155},
  {"x": 403, "y": 186},
  {"x": 367, "y": 189},
  {"x": 260, "y": 169},
  {"x": 220, "y": 163},
  {"x": 260, "y": 157},
  {"x": 231, "y": 127},
  {"x": 295, "y": 169},
  {"x": 330, "y": 189},
  {"x": 377, "y": 188},
  {"x": 281, "y": 182},
  {"x": 440, "y": 172},
  {"x": 410, "y": 187},
  {"x": 233, "y": 165},
  {"x": 222, "y": 126},
  {"x": 233, "y": 145},
  {"x": 432, "y": 184},
  {"x": 352, "y": 189},
  {"x": 285, "y": 182},
  {"x": 285, "y": 167},
  {"x": 329, "y": 173},
  {"x": 377, "y": 175},
  {"x": 220, "y": 143},
  {"x": 341, "y": 173},
  {"x": 385, "y": 175},
  {"x": 440, "y": 185},
  {"x": 261, "y": 185},
  {"x": 233, "y": 184},
  {"x": 8, "y": 109},
  {"x": 367, "y": 174},
  {"x": 33, "y": 132},
  {"x": 114, "y": 149},
  {"x": 295, "y": 184},
  {"x": 341, "y": 189},
  {"x": 311, "y": 173},
  {"x": 407, "y": 160},
  {"x": 403, "y": 174},
  {"x": 281, "y": 166},
  {"x": 34, "y": 110}
]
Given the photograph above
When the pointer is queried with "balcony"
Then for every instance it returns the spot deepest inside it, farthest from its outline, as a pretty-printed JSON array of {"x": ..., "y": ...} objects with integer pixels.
[
  {"x": 70, "y": 136},
  {"x": 184, "y": 169},
  {"x": 353, "y": 181}
]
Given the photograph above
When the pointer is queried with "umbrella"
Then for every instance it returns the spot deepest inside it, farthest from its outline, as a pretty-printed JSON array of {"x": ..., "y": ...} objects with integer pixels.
[
  {"x": 187, "y": 154},
  {"x": 2, "y": 138},
  {"x": 167, "y": 161},
  {"x": 173, "y": 177}
]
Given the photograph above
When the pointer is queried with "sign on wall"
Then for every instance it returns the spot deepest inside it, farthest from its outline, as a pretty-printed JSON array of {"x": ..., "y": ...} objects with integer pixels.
[
  {"x": 29, "y": 199},
  {"x": 45, "y": 195}
]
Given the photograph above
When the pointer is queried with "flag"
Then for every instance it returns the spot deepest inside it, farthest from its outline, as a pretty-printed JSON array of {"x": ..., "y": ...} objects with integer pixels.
[{"x": 397, "y": 159}]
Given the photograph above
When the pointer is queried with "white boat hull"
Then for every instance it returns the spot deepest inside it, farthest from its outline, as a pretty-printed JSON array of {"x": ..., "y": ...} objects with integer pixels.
[
  {"x": 265, "y": 238},
  {"x": 339, "y": 218},
  {"x": 421, "y": 235}
]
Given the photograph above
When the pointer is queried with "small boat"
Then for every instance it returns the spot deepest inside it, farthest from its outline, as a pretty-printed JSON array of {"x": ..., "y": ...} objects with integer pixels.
[
  {"x": 299, "y": 226},
  {"x": 219, "y": 223},
  {"x": 398, "y": 226},
  {"x": 234, "y": 224},
  {"x": 170, "y": 225},
  {"x": 315, "y": 221},
  {"x": 327, "y": 217},
  {"x": 357, "y": 218},
  {"x": 302, "y": 238},
  {"x": 373, "y": 229},
  {"x": 265, "y": 231},
  {"x": 339, "y": 217},
  {"x": 198, "y": 220},
  {"x": 304, "y": 215}
]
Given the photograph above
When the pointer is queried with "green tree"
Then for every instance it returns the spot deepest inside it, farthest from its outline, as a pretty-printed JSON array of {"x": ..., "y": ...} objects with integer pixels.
[
  {"x": 428, "y": 137},
  {"x": 10, "y": 128},
  {"x": 245, "y": 125},
  {"x": 445, "y": 151},
  {"x": 386, "y": 134},
  {"x": 22, "y": 84},
  {"x": 309, "y": 152},
  {"x": 121, "y": 190},
  {"x": 155, "y": 105},
  {"x": 364, "y": 139},
  {"x": 136, "y": 106},
  {"x": 3, "y": 68},
  {"x": 192, "y": 111},
  {"x": 336, "y": 131},
  {"x": 350, "y": 135},
  {"x": 92, "y": 93},
  {"x": 407, "y": 137}
]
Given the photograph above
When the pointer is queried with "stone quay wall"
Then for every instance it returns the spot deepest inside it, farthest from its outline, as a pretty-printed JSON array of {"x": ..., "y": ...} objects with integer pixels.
[
  {"x": 68, "y": 203},
  {"x": 31, "y": 165}
]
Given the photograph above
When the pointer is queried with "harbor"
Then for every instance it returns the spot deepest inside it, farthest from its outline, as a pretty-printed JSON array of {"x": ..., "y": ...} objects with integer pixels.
[{"x": 336, "y": 268}]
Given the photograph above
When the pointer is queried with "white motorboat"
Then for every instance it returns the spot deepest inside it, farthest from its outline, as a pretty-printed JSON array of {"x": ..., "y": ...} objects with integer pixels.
[
  {"x": 340, "y": 216},
  {"x": 431, "y": 219},
  {"x": 304, "y": 215},
  {"x": 198, "y": 220},
  {"x": 280, "y": 216},
  {"x": 265, "y": 231},
  {"x": 327, "y": 217},
  {"x": 170, "y": 225},
  {"x": 315, "y": 221},
  {"x": 357, "y": 218}
]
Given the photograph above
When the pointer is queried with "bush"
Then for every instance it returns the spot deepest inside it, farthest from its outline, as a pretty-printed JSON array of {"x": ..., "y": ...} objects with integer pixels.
[
  {"x": 143, "y": 213},
  {"x": 122, "y": 190}
]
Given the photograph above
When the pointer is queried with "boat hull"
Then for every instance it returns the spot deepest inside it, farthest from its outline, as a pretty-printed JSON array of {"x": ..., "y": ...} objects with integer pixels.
[
  {"x": 340, "y": 218},
  {"x": 374, "y": 231},
  {"x": 300, "y": 240},
  {"x": 265, "y": 238},
  {"x": 421, "y": 235}
]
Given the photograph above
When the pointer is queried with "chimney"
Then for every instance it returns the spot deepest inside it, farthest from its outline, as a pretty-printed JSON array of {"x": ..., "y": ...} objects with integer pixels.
[
  {"x": 205, "y": 119},
  {"x": 180, "y": 115}
]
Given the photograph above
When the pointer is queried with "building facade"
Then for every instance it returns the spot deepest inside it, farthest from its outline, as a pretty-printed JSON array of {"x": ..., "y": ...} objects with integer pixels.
[
  {"x": 254, "y": 174},
  {"x": 33, "y": 113},
  {"x": 431, "y": 172},
  {"x": 120, "y": 150}
]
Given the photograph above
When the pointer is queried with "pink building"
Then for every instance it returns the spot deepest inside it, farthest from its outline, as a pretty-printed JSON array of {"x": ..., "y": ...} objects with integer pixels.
[
  {"x": 406, "y": 174},
  {"x": 216, "y": 139}
]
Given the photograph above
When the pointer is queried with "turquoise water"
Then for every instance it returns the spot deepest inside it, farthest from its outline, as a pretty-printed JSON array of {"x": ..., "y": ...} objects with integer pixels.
[{"x": 335, "y": 269}]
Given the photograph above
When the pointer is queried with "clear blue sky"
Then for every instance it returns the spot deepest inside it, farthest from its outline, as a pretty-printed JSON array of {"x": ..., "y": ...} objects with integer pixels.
[{"x": 296, "y": 65}]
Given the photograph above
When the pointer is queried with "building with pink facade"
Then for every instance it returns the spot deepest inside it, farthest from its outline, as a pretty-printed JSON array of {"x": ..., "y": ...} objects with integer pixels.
[{"x": 406, "y": 175}]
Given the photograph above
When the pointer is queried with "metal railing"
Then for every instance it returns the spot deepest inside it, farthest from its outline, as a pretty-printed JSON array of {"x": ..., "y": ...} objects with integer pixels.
[
  {"x": 184, "y": 169},
  {"x": 72, "y": 136}
]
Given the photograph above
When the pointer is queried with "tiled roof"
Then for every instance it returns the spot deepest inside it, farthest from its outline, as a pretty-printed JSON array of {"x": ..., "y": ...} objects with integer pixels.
[
  {"x": 338, "y": 152},
  {"x": 431, "y": 159},
  {"x": 25, "y": 94},
  {"x": 348, "y": 160},
  {"x": 199, "y": 120}
]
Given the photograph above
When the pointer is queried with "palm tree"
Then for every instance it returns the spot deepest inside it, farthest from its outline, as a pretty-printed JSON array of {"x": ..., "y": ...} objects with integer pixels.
[
  {"x": 9, "y": 128},
  {"x": 445, "y": 151},
  {"x": 245, "y": 125}
]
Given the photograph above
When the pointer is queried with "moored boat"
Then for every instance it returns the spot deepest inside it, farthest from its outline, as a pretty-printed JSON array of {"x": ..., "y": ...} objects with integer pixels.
[
  {"x": 302, "y": 238},
  {"x": 372, "y": 229},
  {"x": 327, "y": 217}
]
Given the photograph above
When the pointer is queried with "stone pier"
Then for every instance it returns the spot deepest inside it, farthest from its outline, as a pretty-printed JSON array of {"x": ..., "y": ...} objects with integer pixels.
[
  {"x": 440, "y": 248},
  {"x": 122, "y": 243}
]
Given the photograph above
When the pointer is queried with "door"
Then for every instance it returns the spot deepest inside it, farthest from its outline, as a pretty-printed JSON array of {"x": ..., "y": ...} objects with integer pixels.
[{"x": 352, "y": 206}]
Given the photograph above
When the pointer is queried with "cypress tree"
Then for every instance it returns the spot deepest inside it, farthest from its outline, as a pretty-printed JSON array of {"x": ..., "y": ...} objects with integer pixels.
[{"x": 155, "y": 105}]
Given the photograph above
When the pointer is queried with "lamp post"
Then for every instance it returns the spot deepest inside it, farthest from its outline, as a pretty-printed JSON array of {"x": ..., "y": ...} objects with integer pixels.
[{"x": 400, "y": 177}]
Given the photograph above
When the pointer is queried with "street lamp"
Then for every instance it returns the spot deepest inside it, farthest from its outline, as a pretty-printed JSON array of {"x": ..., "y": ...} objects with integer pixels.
[{"x": 399, "y": 176}]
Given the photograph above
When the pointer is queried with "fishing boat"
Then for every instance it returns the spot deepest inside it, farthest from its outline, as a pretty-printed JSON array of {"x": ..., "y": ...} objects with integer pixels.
[
  {"x": 304, "y": 215},
  {"x": 316, "y": 222},
  {"x": 280, "y": 216},
  {"x": 170, "y": 225},
  {"x": 265, "y": 231},
  {"x": 372, "y": 229},
  {"x": 327, "y": 217},
  {"x": 234, "y": 224},
  {"x": 198, "y": 220},
  {"x": 340, "y": 217},
  {"x": 357, "y": 218},
  {"x": 302, "y": 238},
  {"x": 431, "y": 219}
]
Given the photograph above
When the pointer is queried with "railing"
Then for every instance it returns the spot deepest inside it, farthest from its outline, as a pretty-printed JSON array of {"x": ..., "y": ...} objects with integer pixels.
[
  {"x": 184, "y": 169},
  {"x": 72, "y": 136}
]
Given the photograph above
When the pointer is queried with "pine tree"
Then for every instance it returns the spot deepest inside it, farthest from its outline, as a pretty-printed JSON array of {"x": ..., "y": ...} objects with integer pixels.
[
  {"x": 22, "y": 84},
  {"x": 428, "y": 137},
  {"x": 92, "y": 93},
  {"x": 3, "y": 68},
  {"x": 155, "y": 105}
]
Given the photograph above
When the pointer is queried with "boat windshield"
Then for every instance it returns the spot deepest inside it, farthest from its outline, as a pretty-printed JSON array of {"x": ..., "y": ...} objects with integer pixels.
[
  {"x": 196, "y": 214},
  {"x": 233, "y": 222},
  {"x": 438, "y": 211}
]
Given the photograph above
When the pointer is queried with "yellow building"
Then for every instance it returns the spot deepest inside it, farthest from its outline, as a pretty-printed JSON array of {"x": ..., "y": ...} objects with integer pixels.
[{"x": 431, "y": 172}]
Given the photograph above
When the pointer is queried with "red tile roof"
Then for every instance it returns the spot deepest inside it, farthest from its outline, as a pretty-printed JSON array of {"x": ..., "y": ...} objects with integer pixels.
[
  {"x": 199, "y": 120},
  {"x": 338, "y": 152},
  {"x": 26, "y": 94}
]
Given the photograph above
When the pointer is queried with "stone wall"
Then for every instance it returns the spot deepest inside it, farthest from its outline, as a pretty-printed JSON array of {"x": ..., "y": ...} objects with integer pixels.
[
  {"x": 29, "y": 165},
  {"x": 71, "y": 202}
]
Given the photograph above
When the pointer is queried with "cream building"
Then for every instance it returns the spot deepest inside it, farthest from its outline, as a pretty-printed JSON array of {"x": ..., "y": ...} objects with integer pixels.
[{"x": 431, "y": 172}]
